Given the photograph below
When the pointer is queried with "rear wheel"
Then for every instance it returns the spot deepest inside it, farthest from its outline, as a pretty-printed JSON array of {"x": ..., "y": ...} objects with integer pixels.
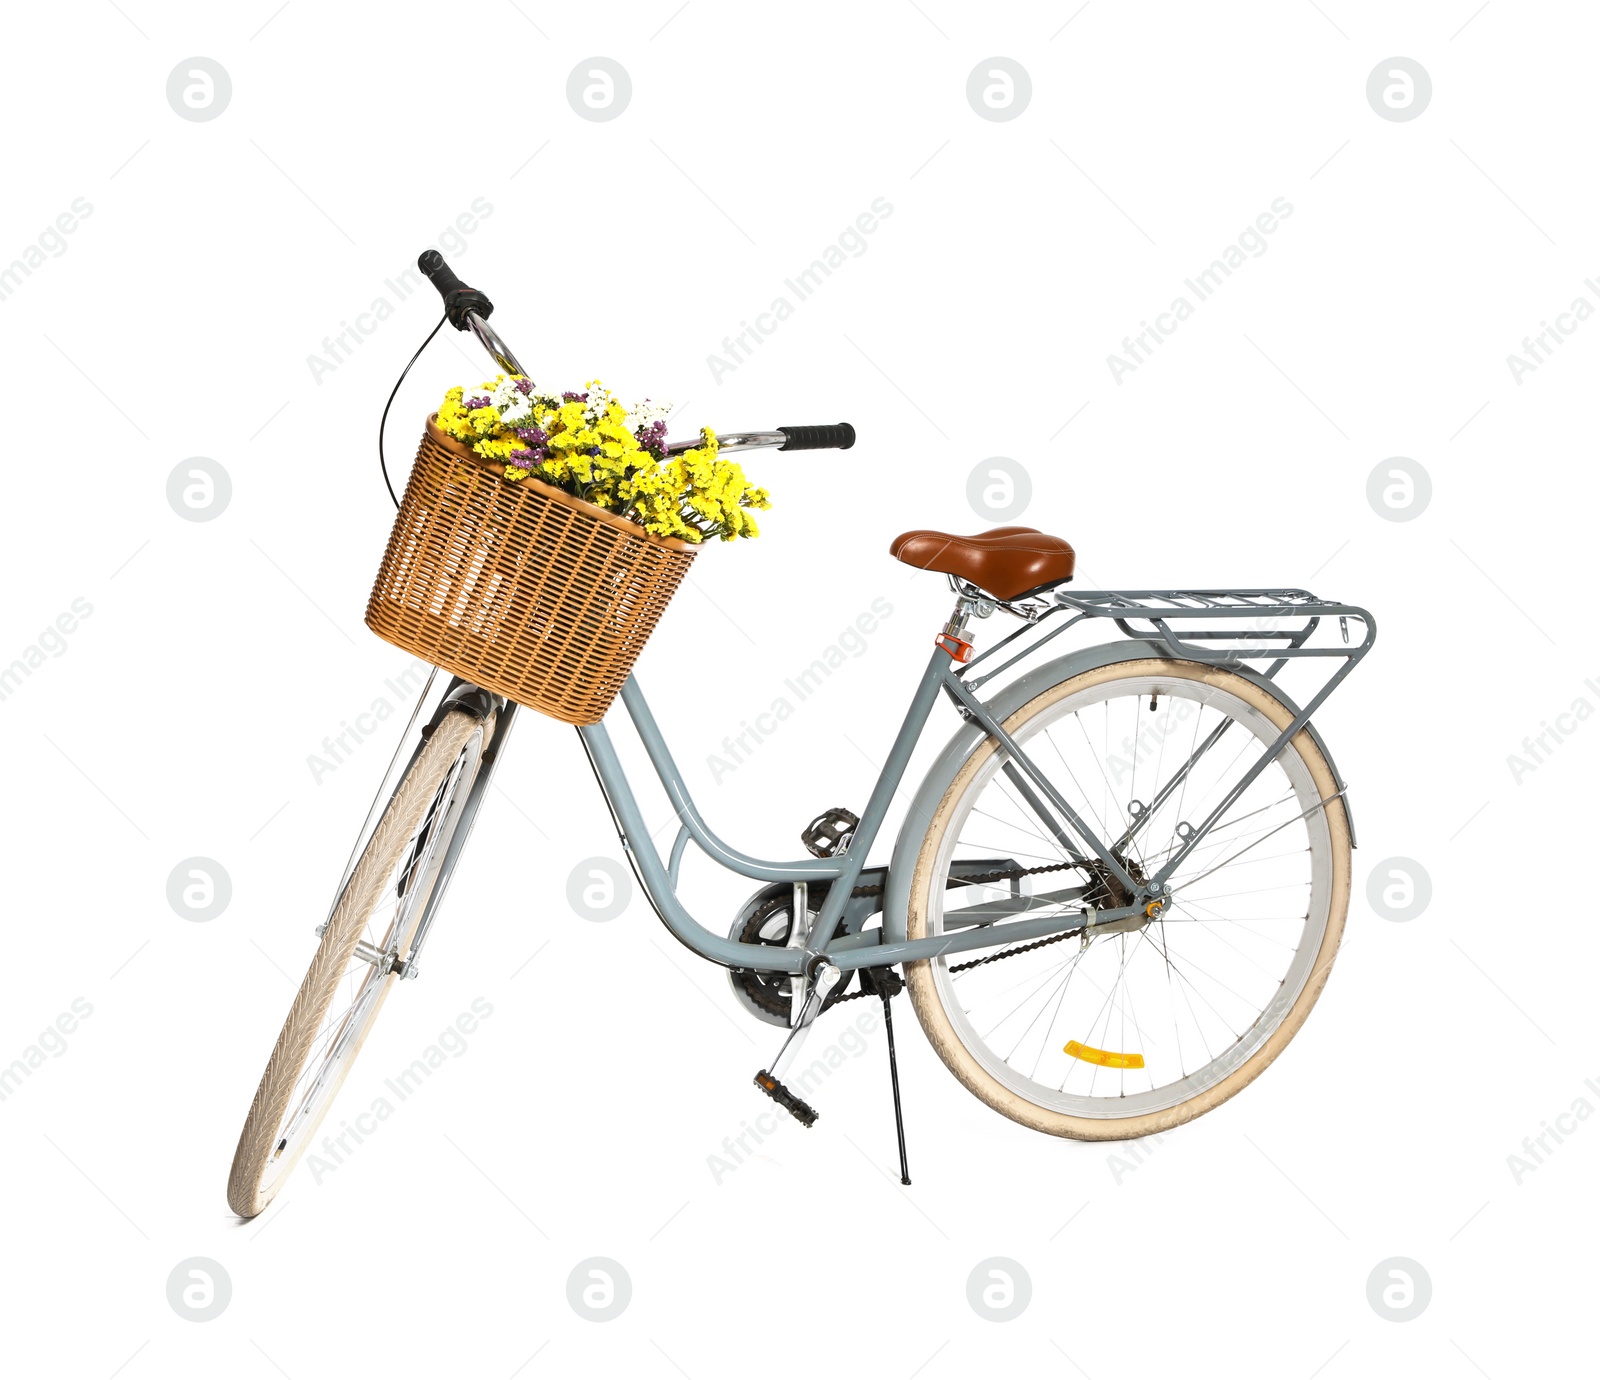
[
  {"x": 368, "y": 935},
  {"x": 1124, "y": 1034}
]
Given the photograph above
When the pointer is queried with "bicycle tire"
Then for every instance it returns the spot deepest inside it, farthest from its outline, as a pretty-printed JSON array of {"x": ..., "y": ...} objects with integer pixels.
[{"x": 430, "y": 793}]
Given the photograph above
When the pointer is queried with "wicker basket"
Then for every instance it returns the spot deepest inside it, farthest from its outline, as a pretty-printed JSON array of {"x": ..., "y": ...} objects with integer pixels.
[{"x": 518, "y": 587}]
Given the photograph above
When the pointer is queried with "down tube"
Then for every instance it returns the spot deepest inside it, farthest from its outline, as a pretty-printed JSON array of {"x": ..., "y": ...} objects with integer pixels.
[
  {"x": 647, "y": 863},
  {"x": 646, "y": 860}
]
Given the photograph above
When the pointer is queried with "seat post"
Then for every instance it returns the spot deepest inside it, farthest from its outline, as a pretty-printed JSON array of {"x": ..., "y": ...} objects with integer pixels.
[
  {"x": 954, "y": 637},
  {"x": 968, "y": 602},
  {"x": 957, "y": 626}
]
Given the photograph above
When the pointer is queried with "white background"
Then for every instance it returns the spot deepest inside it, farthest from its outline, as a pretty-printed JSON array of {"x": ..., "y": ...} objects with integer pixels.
[{"x": 178, "y": 719}]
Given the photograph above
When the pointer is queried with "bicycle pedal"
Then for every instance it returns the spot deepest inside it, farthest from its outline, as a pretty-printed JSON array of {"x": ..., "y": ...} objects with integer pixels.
[
  {"x": 829, "y": 832},
  {"x": 802, "y": 1113}
]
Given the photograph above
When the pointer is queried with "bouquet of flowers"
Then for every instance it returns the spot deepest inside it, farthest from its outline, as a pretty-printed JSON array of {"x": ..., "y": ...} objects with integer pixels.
[{"x": 590, "y": 446}]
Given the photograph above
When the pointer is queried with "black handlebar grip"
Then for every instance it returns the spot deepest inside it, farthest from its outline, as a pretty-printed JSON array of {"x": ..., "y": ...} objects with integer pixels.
[
  {"x": 439, "y": 273},
  {"x": 459, "y": 299},
  {"x": 840, "y": 437}
]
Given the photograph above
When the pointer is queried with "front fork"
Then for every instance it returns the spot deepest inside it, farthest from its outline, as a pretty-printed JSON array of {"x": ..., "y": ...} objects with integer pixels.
[
  {"x": 458, "y": 695},
  {"x": 475, "y": 700}
]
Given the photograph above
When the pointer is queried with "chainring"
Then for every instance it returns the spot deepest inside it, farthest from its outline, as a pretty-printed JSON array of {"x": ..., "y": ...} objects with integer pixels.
[{"x": 766, "y": 919}]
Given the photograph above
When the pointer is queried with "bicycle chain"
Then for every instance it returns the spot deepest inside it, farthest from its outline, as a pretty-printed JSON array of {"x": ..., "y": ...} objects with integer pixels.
[{"x": 1020, "y": 949}]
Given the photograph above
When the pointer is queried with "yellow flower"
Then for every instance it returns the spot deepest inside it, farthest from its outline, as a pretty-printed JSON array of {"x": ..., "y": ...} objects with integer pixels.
[{"x": 592, "y": 454}]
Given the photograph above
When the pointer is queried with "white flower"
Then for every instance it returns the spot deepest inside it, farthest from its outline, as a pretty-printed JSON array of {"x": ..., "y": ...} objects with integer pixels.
[
  {"x": 642, "y": 414},
  {"x": 599, "y": 399}
]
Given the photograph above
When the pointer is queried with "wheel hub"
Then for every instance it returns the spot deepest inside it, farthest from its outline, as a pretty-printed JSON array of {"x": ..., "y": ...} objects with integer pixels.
[{"x": 1109, "y": 892}]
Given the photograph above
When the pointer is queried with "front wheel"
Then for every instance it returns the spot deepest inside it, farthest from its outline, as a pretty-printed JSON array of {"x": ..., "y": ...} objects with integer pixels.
[
  {"x": 1124, "y": 1034},
  {"x": 368, "y": 935}
]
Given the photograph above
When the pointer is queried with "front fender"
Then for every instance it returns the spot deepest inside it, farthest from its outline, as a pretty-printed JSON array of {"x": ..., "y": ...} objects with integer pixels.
[{"x": 1006, "y": 701}]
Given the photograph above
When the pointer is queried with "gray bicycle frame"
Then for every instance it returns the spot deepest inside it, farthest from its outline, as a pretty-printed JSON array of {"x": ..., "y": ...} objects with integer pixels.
[
  {"x": 944, "y": 676},
  {"x": 1161, "y": 610},
  {"x": 841, "y": 872}
]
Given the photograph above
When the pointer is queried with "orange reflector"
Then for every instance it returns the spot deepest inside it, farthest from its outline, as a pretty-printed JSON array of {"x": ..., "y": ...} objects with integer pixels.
[
  {"x": 958, "y": 647},
  {"x": 1104, "y": 1057}
]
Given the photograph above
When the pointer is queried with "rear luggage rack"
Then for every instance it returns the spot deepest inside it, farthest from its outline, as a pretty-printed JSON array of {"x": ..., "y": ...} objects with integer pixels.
[
  {"x": 1160, "y": 609},
  {"x": 1218, "y": 627}
]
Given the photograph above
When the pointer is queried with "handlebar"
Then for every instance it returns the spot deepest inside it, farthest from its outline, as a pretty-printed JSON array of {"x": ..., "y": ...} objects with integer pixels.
[
  {"x": 469, "y": 309},
  {"x": 838, "y": 437}
]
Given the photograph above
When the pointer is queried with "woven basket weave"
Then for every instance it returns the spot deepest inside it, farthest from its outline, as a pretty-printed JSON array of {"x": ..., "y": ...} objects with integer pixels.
[{"x": 518, "y": 587}]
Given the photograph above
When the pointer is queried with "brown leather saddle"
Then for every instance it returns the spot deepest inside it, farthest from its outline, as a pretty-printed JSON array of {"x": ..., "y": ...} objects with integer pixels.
[{"x": 1007, "y": 562}]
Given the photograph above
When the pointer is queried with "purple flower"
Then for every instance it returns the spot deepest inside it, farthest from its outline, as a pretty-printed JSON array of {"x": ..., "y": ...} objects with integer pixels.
[
  {"x": 574, "y": 397},
  {"x": 524, "y": 386},
  {"x": 471, "y": 403},
  {"x": 653, "y": 438},
  {"x": 531, "y": 434}
]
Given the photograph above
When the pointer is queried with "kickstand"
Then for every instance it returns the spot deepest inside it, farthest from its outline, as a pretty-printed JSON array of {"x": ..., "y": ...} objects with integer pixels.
[{"x": 894, "y": 1083}]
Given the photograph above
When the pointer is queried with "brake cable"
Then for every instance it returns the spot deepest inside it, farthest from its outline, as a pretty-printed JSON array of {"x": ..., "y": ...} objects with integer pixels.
[{"x": 383, "y": 464}]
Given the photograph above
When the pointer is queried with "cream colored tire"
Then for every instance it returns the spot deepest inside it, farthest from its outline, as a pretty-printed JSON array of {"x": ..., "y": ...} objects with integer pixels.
[
  {"x": 438, "y": 780},
  {"x": 1328, "y": 835}
]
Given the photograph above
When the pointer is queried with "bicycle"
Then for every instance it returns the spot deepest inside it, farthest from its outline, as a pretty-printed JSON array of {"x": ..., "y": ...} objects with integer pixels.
[{"x": 1112, "y": 800}]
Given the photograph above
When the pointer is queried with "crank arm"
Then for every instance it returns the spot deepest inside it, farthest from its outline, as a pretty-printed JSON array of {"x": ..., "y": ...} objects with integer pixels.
[{"x": 768, "y": 1080}]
